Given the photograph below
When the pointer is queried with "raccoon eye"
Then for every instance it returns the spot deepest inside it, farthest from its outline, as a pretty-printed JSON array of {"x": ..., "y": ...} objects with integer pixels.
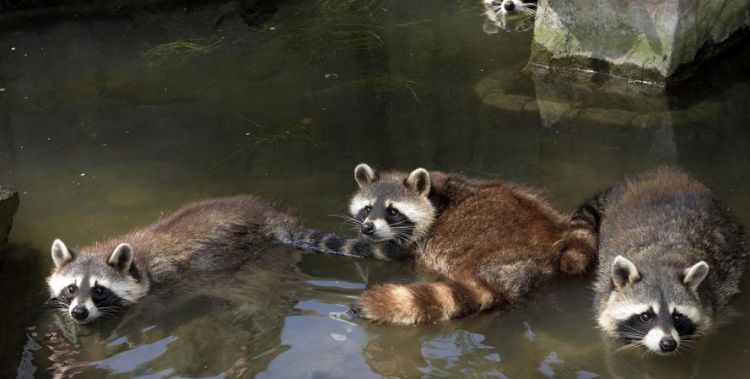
[
  {"x": 393, "y": 212},
  {"x": 99, "y": 292},
  {"x": 368, "y": 209},
  {"x": 72, "y": 288},
  {"x": 646, "y": 316},
  {"x": 677, "y": 317}
]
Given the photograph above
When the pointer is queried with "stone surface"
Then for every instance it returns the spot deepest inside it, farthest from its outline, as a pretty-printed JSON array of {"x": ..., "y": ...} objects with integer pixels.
[
  {"x": 8, "y": 205},
  {"x": 654, "y": 41}
]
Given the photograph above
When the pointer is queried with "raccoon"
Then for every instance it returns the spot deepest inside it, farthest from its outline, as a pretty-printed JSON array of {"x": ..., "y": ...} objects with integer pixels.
[
  {"x": 199, "y": 241},
  {"x": 670, "y": 258},
  {"x": 507, "y": 7},
  {"x": 509, "y": 15},
  {"x": 491, "y": 242}
]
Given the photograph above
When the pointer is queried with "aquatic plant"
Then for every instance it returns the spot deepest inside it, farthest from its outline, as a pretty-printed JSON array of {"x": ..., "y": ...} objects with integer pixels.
[{"x": 178, "y": 52}]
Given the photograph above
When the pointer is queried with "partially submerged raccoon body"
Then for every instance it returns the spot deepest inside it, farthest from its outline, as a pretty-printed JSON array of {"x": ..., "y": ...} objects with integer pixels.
[
  {"x": 492, "y": 242},
  {"x": 670, "y": 259},
  {"x": 509, "y": 15},
  {"x": 198, "y": 242}
]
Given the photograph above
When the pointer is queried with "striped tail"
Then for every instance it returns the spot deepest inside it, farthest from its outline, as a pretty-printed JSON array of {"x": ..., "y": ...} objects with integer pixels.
[
  {"x": 580, "y": 241},
  {"x": 312, "y": 240},
  {"x": 424, "y": 303}
]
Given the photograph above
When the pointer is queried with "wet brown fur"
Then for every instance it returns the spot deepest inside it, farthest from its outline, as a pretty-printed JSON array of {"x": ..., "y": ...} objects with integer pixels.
[
  {"x": 492, "y": 242},
  {"x": 201, "y": 239}
]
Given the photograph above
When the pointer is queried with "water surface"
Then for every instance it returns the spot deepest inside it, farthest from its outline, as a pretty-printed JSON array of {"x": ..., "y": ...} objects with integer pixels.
[{"x": 109, "y": 120}]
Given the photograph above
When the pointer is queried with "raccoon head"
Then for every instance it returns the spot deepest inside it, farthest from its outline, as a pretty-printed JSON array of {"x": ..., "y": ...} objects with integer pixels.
[
  {"x": 393, "y": 206},
  {"x": 510, "y": 7},
  {"x": 514, "y": 16},
  {"x": 658, "y": 309},
  {"x": 89, "y": 286}
]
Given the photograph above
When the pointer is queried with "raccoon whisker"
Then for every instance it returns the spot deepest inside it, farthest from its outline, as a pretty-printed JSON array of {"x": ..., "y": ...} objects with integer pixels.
[
  {"x": 109, "y": 308},
  {"x": 402, "y": 229},
  {"x": 638, "y": 333},
  {"x": 401, "y": 236},
  {"x": 347, "y": 218},
  {"x": 398, "y": 223},
  {"x": 402, "y": 240},
  {"x": 628, "y": 347}
]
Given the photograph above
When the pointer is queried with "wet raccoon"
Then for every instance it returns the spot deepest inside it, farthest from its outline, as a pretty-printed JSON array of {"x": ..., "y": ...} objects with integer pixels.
[
  {"x": 509, "y": 15},
  {"x": 492, "y": 242},
  {"x": 670, "y": 256},
  {"x": 198, "y": 242}
]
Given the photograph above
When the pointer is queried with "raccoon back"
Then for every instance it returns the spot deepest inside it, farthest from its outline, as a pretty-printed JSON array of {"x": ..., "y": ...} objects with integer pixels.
[{"x": 206, "y": 237}]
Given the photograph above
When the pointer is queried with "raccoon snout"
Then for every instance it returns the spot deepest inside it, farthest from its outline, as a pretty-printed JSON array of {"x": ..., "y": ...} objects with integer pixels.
[
  {"x": 509, "y": 6},
  {"x": 368, "y": 228},
  {"x": 668, "y": 344},
  {"x": 79, "y": 313}
]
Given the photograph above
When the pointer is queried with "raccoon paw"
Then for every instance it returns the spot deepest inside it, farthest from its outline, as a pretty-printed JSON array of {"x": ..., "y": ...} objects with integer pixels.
[
  {"x": 356, "y": 311},
  {"x": 573, "y": 262}
]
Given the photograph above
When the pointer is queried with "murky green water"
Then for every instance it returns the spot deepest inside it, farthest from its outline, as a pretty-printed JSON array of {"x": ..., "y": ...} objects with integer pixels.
[{"x": 110, "y": 119}]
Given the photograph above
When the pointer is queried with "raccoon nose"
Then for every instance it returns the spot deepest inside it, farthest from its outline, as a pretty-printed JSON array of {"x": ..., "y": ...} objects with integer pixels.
[
  {"x": 79, "y": 313},
  {"x": 368, "y": 228},
  {"x": 667, "y": 344},
  {"x": 509, "y": 6}
]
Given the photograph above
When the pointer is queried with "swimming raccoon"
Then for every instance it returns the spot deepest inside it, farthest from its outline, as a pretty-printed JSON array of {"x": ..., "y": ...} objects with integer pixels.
[
  {"x": 670, "y": 258},
  {"x": 199, "y": 241},
  {"x": 492, "y": 242},
  {"x": 509, "y": 15}
]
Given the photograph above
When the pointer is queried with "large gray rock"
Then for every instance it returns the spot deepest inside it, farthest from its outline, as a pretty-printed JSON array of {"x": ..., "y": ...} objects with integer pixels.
[
  {"x": 657, "y": 41},
  {"x": 8, "y": 205}
]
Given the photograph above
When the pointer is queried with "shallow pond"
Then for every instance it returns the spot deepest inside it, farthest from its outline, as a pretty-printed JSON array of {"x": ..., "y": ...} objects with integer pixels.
[{"x": 111, "y": 118}]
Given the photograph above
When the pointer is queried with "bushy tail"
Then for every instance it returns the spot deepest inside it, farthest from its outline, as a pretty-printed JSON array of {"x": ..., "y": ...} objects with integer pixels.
[
  {"x": 328, "y": 243},
  {"x": 424, "y": 303},
  {"x": 580, "y": 241}
]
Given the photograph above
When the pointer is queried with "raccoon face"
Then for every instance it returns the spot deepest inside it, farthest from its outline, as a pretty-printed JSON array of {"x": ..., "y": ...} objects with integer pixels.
[
  {"x": 510, "y": 7},
  {"x": 658, "y": 309},
  {"x": 88, "y": 287},
  {"x": 392, "y": 208},
  {"x": 513, "y": 16}
]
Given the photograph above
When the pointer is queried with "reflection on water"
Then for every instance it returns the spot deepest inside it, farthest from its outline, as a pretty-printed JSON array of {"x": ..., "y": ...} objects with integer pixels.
[{"x": 108, "y": 122}]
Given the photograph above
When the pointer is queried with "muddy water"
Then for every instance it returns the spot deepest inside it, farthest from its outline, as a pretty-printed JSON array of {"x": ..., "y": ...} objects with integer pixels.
[{"x": 110, "y": 119}]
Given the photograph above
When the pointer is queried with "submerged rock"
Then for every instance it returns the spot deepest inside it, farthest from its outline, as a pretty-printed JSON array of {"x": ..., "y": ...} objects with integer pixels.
[{"x": 9, "y": 201}]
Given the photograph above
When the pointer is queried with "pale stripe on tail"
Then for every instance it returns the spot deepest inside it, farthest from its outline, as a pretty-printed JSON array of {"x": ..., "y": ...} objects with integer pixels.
[{"x": 424, "y": 303}]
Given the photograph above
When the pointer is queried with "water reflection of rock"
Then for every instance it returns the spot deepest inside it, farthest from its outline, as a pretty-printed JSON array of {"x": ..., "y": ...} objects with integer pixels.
[
  {"x": 229, "y": 327},
  {"x": 597, "y": 128},
  {"x": 557, "y": 102}
]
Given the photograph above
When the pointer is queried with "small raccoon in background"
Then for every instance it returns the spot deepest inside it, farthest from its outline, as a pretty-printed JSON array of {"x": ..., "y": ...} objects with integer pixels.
[
  {"x": 509, "y": 15},
  {"x": 670, "y": 258},
  {"x": 490, "y": 241},
  {"x": 200, "y": 241}
]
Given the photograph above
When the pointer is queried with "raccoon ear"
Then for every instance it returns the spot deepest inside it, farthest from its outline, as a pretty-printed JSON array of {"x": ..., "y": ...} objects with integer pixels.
[
  {"x": 695, "y": 274},
  {"x": 60, "y": 253},
  {"x": 419, "y": 181},
  {"x": 121, "y": 258},
  {"x": 624, "y": 272},
  {"x": 364, "y": 175}
]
